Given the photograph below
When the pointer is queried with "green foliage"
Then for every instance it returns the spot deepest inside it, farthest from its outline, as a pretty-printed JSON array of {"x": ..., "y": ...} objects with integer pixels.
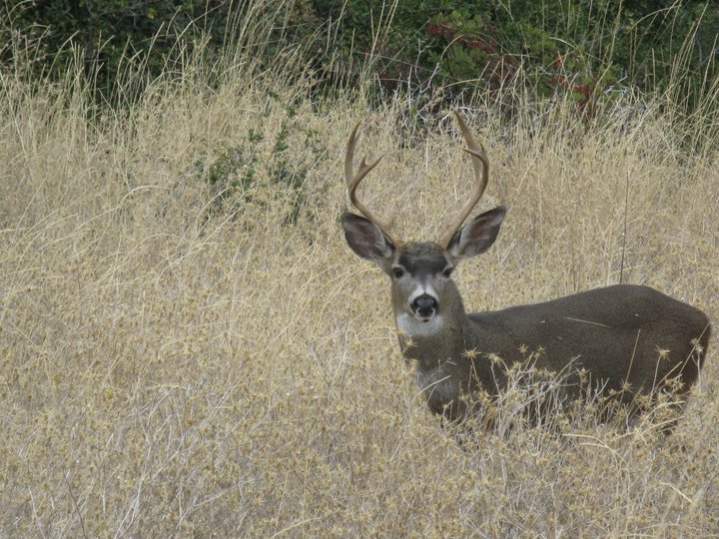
[
  {"x": 578, "y": 48},
  {"x": 236, "y": 172},
  {"x": 110, "y": 36},
  {"x": 107, "y": 32}
]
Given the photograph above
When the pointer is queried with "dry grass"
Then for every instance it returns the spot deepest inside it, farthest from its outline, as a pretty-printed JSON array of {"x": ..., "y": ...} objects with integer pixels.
[{"x": 169, "y": 367}]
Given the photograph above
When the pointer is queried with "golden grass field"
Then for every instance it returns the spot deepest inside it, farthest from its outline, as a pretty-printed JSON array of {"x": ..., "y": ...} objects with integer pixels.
[{"x": 179, "y": 362}]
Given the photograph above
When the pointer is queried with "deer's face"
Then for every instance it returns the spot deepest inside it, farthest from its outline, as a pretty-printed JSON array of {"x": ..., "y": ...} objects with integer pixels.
[
  {"x": 422, "y": 286},
  {"x": 423, "y": 292}
]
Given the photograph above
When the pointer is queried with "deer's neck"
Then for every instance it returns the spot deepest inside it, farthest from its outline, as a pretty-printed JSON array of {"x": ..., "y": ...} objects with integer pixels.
[
  {"x": 444, "y": 355},
  {"x": 437, "y": 342}
]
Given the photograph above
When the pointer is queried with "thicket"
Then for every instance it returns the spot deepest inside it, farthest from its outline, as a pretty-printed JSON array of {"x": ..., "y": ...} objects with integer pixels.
[{"x": 438, "y": 48}]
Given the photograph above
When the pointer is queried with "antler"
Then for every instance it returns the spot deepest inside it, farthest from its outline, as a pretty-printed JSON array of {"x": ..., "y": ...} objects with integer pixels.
[
  {"x": 480, "y": 163},
  {"x": 353, "y": 180}
]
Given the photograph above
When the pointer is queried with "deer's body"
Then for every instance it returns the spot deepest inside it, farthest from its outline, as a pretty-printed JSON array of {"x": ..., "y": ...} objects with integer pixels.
[
  {"x": 627, "y": 340},
  {"x": 625, "y": 336}
]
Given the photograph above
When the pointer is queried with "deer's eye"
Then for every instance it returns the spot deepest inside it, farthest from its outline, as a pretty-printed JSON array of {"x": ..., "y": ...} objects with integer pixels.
[
  {"x": 448, "y": 272},
  {"x": 397, "y": 272}
]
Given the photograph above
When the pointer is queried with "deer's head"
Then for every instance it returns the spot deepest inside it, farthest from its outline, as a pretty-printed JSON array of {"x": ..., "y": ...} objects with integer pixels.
[{"x": 423, "y": 292}]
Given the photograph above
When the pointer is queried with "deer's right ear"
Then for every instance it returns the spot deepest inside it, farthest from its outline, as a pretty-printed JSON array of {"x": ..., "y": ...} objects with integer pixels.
[{"x": 367, "y": 240}]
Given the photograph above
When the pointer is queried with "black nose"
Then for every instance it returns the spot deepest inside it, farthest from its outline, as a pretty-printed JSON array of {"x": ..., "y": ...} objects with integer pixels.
[{"x": 424, "y": 305}]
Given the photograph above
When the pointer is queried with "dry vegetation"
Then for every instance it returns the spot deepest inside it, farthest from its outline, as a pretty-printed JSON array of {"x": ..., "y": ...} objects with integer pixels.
[{"x": 175, "y": 361}]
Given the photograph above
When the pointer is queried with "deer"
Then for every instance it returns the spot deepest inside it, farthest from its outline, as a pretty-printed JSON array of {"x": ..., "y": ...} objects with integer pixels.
[{"x": 628, "y": 340}]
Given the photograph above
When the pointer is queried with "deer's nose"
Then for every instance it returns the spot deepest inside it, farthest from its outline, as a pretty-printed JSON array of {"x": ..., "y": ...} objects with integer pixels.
[{"x": 424, "y": 305}]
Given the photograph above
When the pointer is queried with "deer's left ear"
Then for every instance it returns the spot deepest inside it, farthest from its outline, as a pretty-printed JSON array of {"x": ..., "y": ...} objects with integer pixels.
[{"x": 478, "y": 235}]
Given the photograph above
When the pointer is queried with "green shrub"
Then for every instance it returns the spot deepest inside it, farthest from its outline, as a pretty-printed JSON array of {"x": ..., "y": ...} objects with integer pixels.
[
  {"x": 234, "y": 173},
  {"x": 578, "y": 48},
  {"x": 108, "y": 31},
  {"x": 446, "y": 47}
]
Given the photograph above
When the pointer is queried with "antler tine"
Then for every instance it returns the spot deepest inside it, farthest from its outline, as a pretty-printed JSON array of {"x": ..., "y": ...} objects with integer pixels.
[
  {"x": 353, "y": 180},
  {"x": 480, "y": 164}
]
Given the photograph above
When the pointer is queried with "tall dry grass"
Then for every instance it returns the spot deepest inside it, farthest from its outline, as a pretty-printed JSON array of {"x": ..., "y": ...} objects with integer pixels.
[{"x": 179, "y": 360}]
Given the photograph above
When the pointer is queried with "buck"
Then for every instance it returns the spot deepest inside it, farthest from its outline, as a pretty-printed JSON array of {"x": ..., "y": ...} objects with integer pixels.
[{"x": 629, "y": 340}]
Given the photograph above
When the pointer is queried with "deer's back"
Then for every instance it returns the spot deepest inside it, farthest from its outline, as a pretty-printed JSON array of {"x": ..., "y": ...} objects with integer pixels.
[{"x": 617, "y": 333}]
